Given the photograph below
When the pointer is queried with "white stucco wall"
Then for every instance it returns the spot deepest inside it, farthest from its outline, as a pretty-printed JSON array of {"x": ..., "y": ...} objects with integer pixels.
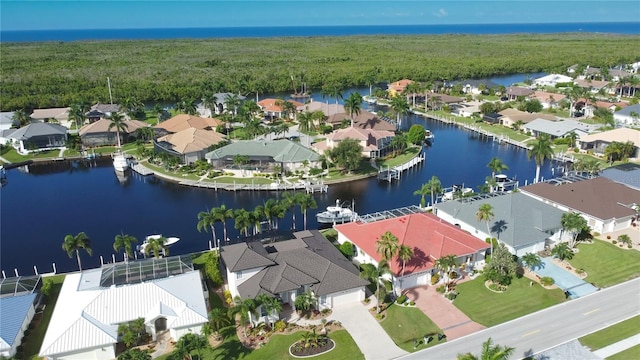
[
  {"x": 234, "y": 282},
  {"x": 106, "y": 352}
]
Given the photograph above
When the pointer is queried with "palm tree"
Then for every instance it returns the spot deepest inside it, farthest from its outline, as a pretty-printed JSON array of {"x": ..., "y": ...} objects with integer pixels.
[
  {"x": 387, "y": 246},
  {"x": 73, "y": 244},
  {"x": 221, "y": 215},
  {"x": 574, "y": 223},
  {"x": 242, "y": 221},
  {"x": 400, "y": 107},
  {"x": 353, "y": 104},
  {"x": 540, "y": 152},
  {"x": 155, "y": 245},
  {"x": 562, "y": 251},
  {"x": 423, "y": 191},
  {"x": 572, "y": 136},
  {"x": 125, "y": 242},
  {"x": 77, "y": 114},
  {"x": 210, "y": 101},
  {"x": 490, "y": 352},
  {"x": 246, "y": 309},
  {"x": 117, "y": 121},
  {"x": 289, "y": 202},
  {"x": 218, "y": 319},
  {"x": 405, "y": 253},
  {"x": 305, "y": 202},
  {"x": 208, "y": 219},
  {"x": 435, "y": 187},
  {"x": 531, "y": 260},
  {"x": 271, "y": 306},
  {"x": 624, "y": 239},
  {"x": 485, "y": 213},
  {"x": 187, "y": 106},
  {"x": 305, "y": 122},
  {"x": 373, "y": 274},
  {"x": 412, "y": 89},
  {"x": 21, "y": 117},
  {"x": 496, "y": 165},
  {"x": 446, "y": 263}
]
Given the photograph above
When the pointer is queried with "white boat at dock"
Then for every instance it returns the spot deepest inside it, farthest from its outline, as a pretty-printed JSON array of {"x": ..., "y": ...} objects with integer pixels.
[
  {"x": 369, "y": 99},
  {"x": 170, "y": 241},
  {"x": 504, "y": 183},
  {"x": 120, "y": 162},
  {"x": 338, "y": 214},
  {"x": 428, "y": 135},
  {"x": 456, "y": 191}
]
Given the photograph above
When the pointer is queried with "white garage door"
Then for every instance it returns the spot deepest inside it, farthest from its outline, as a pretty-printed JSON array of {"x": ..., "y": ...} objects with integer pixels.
[
  {"x": 413, "y": 280},
  {"x": 347, "y": 297}
]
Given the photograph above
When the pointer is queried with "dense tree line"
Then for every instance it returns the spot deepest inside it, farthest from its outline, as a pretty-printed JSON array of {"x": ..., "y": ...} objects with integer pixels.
[{"x": 35, "y": 75}]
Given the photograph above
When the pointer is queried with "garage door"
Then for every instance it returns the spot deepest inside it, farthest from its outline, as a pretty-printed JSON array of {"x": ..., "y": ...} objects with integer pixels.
[{"x": 348, "y": 297}]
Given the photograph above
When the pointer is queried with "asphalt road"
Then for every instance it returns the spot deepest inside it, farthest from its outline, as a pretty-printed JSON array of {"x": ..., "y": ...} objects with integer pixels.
[{"x": 550, "y": 327}]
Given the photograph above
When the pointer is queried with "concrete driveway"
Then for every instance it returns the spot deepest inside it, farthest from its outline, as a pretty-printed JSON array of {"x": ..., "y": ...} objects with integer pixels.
[
  {"x": 372, "y": 340},
  {"x": 442, "y": 312}
]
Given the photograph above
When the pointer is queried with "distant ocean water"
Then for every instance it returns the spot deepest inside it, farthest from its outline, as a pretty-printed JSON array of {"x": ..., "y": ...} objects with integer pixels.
[{"x": 246, "y": 32}]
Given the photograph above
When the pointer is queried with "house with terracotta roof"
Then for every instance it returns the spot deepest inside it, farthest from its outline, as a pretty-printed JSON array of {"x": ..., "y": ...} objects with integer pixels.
[
  {"x": 521, "y": 223},
  {"x": 363, "y": 120},
  {"x": 99, "y": 134},
  {"x": 327, "y": 109},
  {"x": 548, "y": 100},
  {"x": 271, "y": 108},
  {"x": 285, "y": 269},
  {"x": 598, "y": 142},
  {"x": 430, "y": 238},
  {"x": 184, "y": 121},
  {"x": 606, "y": 205},
  {"x": 375, "y": 143},
  {"x": 397, "y": 87},
  {"x": 189, "y": 145}
]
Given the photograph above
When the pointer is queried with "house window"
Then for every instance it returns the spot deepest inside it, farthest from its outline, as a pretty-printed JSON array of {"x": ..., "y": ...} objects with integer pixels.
[
  {"x": 263, "y": 311},
  {"x": 239, "y": 275}
]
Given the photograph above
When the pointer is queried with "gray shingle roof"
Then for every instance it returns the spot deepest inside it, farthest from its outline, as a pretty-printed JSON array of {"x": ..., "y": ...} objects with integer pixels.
[
  {"x": 519, "y": 219},
  {"x": 6, "y": 118},
  {"x": 559, "y": 128},
  {"x": 280, "y": 150},
  {"x": 628, "y": 110},
  {"x": 244, "y": 256},
  {"x": 38, "y": 129},
  {"x": 628, "y": 174}
]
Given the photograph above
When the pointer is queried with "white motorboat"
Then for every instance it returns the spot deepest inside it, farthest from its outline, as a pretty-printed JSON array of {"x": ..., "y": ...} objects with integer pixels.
[
  {"x": 170, "y": 241},
  {"x": 503, "y": 183},
  {"x": 428, "y": 135},
  {"x": 120, "y": 162},
  {"x": 369, "y": 99},
  {"x": 456, "y": 191},
  {"x": 340, "y": 213}
]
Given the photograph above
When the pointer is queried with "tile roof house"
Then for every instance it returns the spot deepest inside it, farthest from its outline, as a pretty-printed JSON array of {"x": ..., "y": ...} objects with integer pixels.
[
  {"x": 521, "y": 223},
  {"x": 398, "y": 87},
  {"x": 374, "y": 142},
  {"x": 54, "y": 115},
  {"x": 327, "y": 109},
  {"x": 592, "y": 85},
  {"x": 430, "y": 238},
  {"x": 511, "y": 116},
  {"x": 513, "y": 92},
  {"x": 189, "y": 144},
  {"x": 39, "y": 136},
  {"x": 598, "y": 142},
  {"x": 16, "y": 313},
  {"x": 184, "y": 121},
  {"x": 547, "y": 100},
  {"x": 84, "y": 324},
  {"x": 556, "y": 129},
  {"x": 286, "y": 269},
  {"x": 630, "y": 115},
  {"x": 98, "y": 133},
  {"x": 364, "y": 120},
  {"x": 270, "y": 107},
  {"x": 607, "y": 205}
]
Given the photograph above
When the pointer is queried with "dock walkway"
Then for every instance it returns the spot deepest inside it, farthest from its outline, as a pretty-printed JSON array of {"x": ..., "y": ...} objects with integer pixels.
[{"x": 394, "y": 173}]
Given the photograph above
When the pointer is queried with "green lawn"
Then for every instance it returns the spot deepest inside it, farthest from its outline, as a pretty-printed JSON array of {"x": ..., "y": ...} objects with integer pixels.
[
  {"x": 177, "y": 175},
  {"x": 406, "y": 155},
  {"x": 495, "y": 129},
  {"x": 612, "y": 334},
  {"x": 12, "y": 155},
  {"x": 630, "y": 353},
  {"x": 607, "y": 264},
  {"x": 33, "y": 341},
  {"x": 251, "y": 180},
  {"x": 489, "y": 308},
  {"x": 278, "y": 348},
  {"x": 406, "y": 324}
]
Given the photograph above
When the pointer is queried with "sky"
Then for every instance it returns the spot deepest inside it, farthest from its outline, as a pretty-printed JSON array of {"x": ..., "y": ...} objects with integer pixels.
[{"x": 119, "y": 14}]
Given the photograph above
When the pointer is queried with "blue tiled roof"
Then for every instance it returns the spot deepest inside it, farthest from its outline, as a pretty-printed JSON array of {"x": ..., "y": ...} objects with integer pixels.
[{"x": 13, "y": 311}]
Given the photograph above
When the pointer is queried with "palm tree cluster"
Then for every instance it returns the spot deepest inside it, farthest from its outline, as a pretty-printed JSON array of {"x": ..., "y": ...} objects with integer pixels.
[
  {"x": 247, "y": 311},
  {"x": 433, "y": 187},
  {"x": 250, "y": 222}
]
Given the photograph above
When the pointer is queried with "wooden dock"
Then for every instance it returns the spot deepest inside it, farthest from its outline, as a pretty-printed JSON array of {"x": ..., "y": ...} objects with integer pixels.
[
  {"x": 395, "y": 173},
  {"x": 141, "y": 169}
]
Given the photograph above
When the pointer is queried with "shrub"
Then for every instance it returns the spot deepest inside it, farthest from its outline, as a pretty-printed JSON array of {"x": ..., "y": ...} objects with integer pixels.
[
  {"x": 629, "y": 246},
  {"x": 212, "y": 269},
  {"x": 401, "y": 299},
  {"x": 435, "y": 278},
  {"x": 280, "y": 325},
  {"x": 380, "y": 316},
  {"x": 595, "y": 233},
  {"x": 440, "y": 289},
  {"x": 579, "y": 271},
  {"x": 228, "y": 298},
  {"x": 367, "y": 300},
  {"x": 346, "y": 249},
  {"x": 412, "y": 303},
  {"x": 451, "y": 295},
  {"x": 614, "y": 241},
  {"x": 608, "y": 237},
  {"x": 325, "y": 311},
  {"x": 547, "y": 281}
]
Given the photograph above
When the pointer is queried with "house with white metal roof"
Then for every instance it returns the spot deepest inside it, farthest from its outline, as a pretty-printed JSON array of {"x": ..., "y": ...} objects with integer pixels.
[
  {"x": 556, "y": 129},
  {"x": 93, "y": 303},
  {"x": 7, "y": 120},
  {"x": 552, "y": 80}
]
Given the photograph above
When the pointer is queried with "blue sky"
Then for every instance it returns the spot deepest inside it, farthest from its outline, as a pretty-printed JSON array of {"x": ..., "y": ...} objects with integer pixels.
[{"x": 113, "y": 14}]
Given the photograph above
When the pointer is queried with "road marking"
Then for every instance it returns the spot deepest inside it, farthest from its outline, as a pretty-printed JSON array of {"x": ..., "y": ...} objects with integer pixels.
[
  {"x": 591, "y": 312},
  {"x": 531, "y": 333}
]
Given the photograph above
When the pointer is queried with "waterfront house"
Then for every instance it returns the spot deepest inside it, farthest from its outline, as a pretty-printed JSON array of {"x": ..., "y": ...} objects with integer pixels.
[
  {"x": 363, "y": 120},
  {"x": 473, "y": 86},
  {"x": 185, "y": 121},
  {"x": 593, "y": 86},
  {"x": 101, "y": 111},
  {"x": 18, "y": 302},
  {"x": 39, "y": 136},
  {"x": 52, "y": 115},
  {"x": 556, "y": 129},
  {"x": 607, "y": 205},
  {"x": 327, "y": 109},
  {"x": 99, "y": 134},
  {"x": 7, "y": 121},
  {"x": 220, "y": 105},
  {"x": 286, "y": 269},
  {"x": 429, "y": 237},
  {"x": 521, "y": 223},
  {"x": 374, "y": 143},
  {"x": 167, "y": 293},
  {"x": 249, "y": 157},
  {"x": 398, "y": 87},
  {"x": 630, "y": 115},
  {"x": 436, "y": 100},
  {"x": 548, "y": 100},
  {"x": 552, "y": 80},
  {"x": 271, "y": 108},
  {"x": 598, "y": 142},
  {"x": 189, "y": 145},
  {"x": 492, "y": 118},
  {"x": 515, "y": 92},
  {"x": 511, "y": 116}
]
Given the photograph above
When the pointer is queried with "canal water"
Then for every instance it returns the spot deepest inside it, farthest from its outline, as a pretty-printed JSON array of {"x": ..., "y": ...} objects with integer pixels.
[{"x": 42, "y": 204}]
